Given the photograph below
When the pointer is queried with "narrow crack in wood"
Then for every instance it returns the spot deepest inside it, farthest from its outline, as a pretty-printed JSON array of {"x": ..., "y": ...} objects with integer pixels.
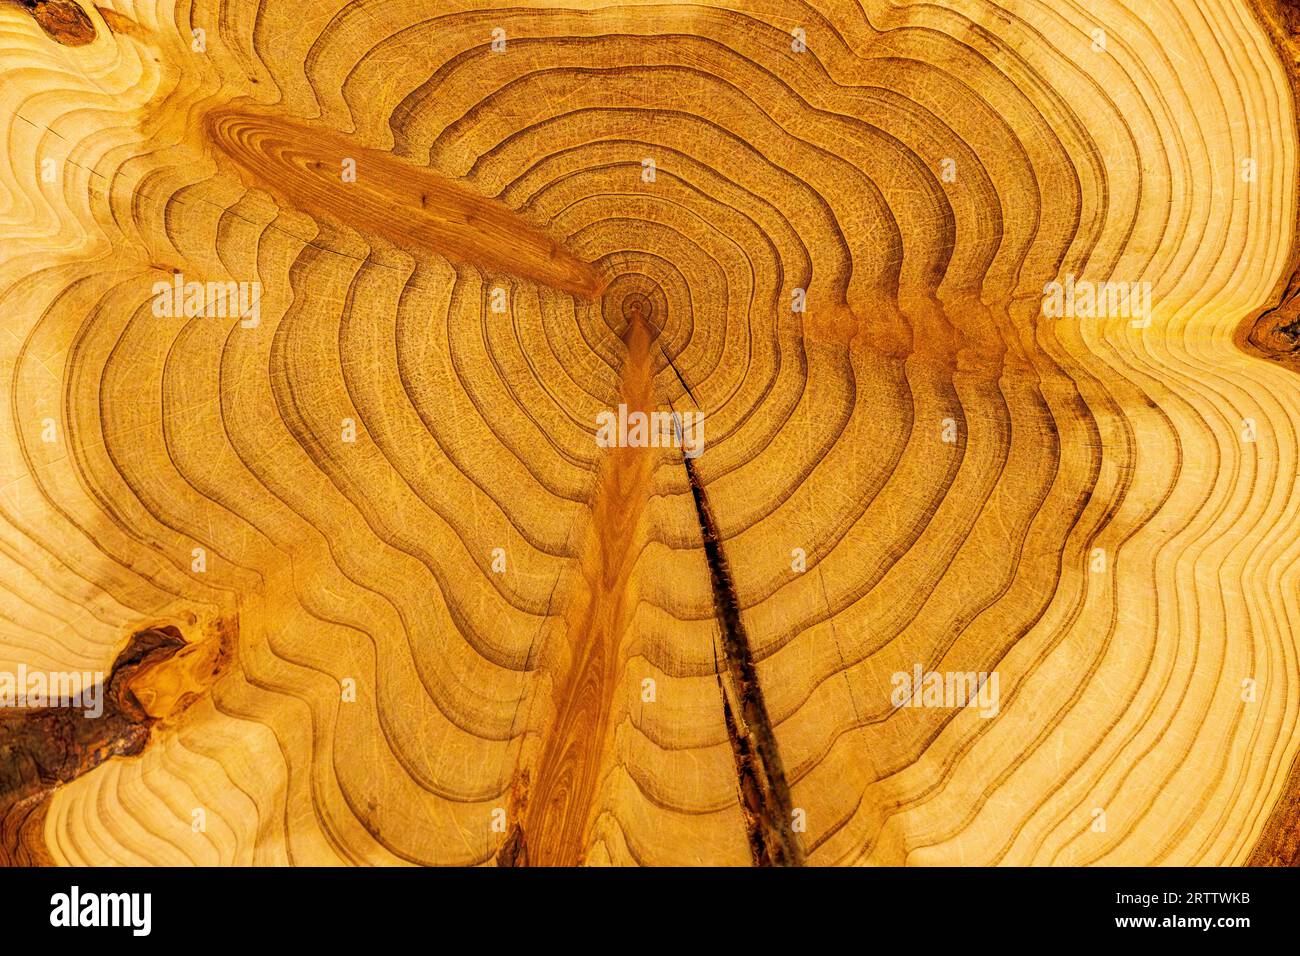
[{"x": 764, "y": 793}]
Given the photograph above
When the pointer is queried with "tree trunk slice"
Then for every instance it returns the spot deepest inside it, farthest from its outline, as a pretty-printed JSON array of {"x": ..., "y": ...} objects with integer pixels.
[{"x": 377, "y": 594}]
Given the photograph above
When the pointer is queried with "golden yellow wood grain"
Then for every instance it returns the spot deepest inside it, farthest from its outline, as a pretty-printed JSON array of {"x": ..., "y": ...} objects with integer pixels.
[{"x": 339, "y": 426}]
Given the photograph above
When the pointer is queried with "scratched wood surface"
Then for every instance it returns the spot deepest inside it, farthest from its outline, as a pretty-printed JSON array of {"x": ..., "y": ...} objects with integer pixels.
[{"x": 364, "y": 586}]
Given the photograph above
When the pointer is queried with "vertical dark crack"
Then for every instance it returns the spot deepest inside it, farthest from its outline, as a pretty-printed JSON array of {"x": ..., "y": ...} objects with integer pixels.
[{"x": 764, "y": 792}]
